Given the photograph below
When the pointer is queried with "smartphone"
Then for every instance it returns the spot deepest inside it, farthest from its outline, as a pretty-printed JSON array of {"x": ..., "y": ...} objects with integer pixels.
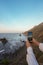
[{"x": 30, "y": 36}]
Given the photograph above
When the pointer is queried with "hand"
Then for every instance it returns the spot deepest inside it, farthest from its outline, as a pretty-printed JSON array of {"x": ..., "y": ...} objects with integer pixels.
[
  {"x": 35, "y": 42},
  {"x": 28, "y": 44}
]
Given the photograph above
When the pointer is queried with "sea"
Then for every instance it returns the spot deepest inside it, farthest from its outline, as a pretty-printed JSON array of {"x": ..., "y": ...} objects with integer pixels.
[{"x": 15, "y": 41}]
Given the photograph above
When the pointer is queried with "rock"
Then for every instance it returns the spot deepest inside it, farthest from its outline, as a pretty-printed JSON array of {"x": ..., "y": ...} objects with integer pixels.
[{"x": 4, "y": 40}]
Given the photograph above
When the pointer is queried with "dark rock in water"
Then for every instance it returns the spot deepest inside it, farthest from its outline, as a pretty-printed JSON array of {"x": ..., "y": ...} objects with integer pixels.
[
  {"x": 19, "y": 34},
  {"x": 4, "y": 40},
  {"x": 1, "y": 46}
]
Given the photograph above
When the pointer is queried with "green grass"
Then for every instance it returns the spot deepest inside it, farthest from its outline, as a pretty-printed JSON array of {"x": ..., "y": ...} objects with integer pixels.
[{"x": 5, "y": 61}]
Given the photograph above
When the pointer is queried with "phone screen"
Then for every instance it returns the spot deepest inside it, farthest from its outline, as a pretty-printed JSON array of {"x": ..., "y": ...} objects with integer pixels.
[{"x": 30, "y": 34}]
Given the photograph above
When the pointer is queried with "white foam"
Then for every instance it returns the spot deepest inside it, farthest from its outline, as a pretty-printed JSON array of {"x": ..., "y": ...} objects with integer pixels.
[{"x": 2, "y": 51}]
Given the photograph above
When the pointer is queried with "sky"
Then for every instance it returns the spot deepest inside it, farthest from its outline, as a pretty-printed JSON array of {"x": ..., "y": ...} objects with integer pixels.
[{"x": 20, "y": 15}]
